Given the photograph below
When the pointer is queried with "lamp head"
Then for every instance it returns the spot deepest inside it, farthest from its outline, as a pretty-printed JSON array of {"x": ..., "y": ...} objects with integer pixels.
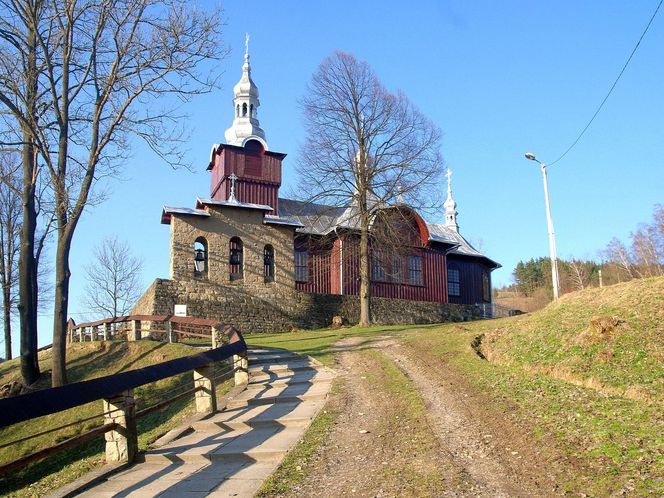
[{"x": 531, "y": 156}]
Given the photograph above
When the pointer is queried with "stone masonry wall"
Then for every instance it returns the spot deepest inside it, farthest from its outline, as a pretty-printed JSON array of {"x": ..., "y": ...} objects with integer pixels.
[{"x": 268, "y": 311}]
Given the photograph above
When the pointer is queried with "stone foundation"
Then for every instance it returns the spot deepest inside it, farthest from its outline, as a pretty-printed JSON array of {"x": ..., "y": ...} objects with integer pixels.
[{"x": 281, "y": 311}]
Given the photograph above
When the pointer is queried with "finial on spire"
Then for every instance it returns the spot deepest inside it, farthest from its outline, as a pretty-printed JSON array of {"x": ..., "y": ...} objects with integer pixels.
[
  {"x": 450, "y": 205},
  {"x": 246, "y": 47}
]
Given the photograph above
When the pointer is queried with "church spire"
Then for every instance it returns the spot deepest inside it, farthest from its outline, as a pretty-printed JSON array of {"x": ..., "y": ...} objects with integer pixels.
[
  {"x": 450, "y": 205},
  {"x": 245, "y": 125}
]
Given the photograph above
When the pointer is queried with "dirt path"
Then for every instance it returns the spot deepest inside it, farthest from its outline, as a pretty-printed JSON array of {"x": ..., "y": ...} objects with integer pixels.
[
  {"x": 498, "y": 457},
  {"x": 377, "y": 451}
]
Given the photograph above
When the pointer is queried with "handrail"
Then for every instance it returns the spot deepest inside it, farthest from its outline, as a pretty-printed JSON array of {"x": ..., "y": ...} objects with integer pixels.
[{"x": 47, "y": 401}]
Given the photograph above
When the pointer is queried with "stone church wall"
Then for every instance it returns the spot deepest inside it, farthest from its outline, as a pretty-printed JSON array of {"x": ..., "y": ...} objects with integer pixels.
[{"x": 271, "y": 311}]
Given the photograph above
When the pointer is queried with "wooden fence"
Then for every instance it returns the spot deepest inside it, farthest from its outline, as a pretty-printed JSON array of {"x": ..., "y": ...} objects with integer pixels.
[{"x": 117, "y": 391}]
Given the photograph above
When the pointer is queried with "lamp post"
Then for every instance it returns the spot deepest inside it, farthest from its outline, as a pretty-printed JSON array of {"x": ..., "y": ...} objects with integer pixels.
[{"x": 552, "y": 236}]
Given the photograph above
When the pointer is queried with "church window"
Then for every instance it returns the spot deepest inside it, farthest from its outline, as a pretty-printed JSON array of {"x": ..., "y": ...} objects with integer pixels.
[
  {"x": 377, "y": 268},
  {"x": 397, "y": 270},
  {"x": 453, "y": 280},
  {"x": 244, "y": 110},
  {"x": 301, "y": 266},
  {"x": 486, "y": 286},
  {"x": 268, "y": 263},
  {"x": 415, "y": 270},
  {"x": 200, "y": 257},
  {"x": 236, "y": 258}
]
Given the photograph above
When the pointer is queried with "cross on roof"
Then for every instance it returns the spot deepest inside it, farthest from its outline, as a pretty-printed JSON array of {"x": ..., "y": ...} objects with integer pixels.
[{"x": 233, "y": 177}]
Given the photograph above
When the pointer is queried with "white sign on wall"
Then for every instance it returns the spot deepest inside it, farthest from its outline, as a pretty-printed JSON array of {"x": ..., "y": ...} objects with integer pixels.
[{"x": 180, "y": 310}]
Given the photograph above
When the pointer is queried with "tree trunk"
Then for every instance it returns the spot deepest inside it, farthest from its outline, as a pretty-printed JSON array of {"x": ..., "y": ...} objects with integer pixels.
[
  {"x": 6, "y": 302},
  {"x": 27, "y": 306},
  {"x": 62, "y": 276},
  {"x": 365, "y": 283}
]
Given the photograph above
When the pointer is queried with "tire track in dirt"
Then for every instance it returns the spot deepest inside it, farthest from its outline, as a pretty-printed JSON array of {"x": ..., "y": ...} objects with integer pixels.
[{"x": 498, "y": 469}]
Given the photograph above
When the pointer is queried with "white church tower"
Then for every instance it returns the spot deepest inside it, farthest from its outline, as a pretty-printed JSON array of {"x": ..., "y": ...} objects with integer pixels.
[
  {"x": 450, "y": 205},
  {"x": 245, "y": 103}
]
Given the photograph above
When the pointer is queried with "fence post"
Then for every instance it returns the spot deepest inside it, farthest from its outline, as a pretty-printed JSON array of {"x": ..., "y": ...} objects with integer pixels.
[
  {"x": 215, "y": 337},
  {"x": 122, "y": 442},
  {"x": 134, "y": 331},
  {"x": 172, "y": 336},
  {"x": 107, "y": 331},
  {"x": 94, "y": 336},
  {"x": 241, "y": 366},
  {"x": 206, "y": 398}
]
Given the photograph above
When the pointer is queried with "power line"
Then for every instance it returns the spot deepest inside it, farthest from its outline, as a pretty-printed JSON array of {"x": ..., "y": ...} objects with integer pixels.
[{"x": 612, "y": 86}]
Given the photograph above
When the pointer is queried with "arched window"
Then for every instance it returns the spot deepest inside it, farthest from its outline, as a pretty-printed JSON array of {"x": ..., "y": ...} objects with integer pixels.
[
  {"x": 200, "y": 257},
  {"x": 236, "y": 258},
  {"x": 453, "y": 280},
  {"x": 268, "y": 263},
  {"x": 244, "y": 110}
]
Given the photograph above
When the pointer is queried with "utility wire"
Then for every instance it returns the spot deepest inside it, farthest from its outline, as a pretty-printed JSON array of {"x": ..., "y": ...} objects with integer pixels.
[{"x": 612, "y": 86}]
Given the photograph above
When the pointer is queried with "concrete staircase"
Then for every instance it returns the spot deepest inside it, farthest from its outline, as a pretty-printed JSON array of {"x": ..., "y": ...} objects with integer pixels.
[{"x": 232, "y": 452}]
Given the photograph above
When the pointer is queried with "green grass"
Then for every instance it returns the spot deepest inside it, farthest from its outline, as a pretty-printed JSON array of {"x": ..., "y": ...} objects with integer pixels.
[
  {"x": 89, "y": 360},
  {"x": 628, "y": 359},
  {"x": 617, "y": 443},
  {"x": 318, "y": 343}
]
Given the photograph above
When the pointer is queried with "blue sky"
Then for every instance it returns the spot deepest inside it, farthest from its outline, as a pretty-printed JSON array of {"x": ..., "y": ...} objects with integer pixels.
[{"x": 499, "y": 78}]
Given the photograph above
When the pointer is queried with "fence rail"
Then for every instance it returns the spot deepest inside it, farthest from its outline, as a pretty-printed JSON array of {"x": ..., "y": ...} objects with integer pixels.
[
  {"x": 117, "y": 391},
  {"x": 491, "y": 310}
]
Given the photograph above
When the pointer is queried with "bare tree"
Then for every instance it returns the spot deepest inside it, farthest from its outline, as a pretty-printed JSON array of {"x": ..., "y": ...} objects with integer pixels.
[
  {"x": 10, "y": 234},
  {"x": 114, "y": 279},
  {"x": 366, "y": 148},
  {"x": 100, "y": 68}
]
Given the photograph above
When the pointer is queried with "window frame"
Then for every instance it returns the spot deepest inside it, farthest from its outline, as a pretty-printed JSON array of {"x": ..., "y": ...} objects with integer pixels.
[
  {"x": 301, "y": 266},
  {"x": 268, "y": 263},
  {"x": 453, "y": 284},
  {"x": 415, "y": 276},
  {"x": 236, "y": 271}
]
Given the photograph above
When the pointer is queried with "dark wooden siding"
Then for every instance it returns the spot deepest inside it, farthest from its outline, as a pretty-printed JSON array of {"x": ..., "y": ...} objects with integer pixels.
[
  {"x": 325, "y": 279},
  {"x": 259, "y": 176},
  {"x": 470, "y": 273}
]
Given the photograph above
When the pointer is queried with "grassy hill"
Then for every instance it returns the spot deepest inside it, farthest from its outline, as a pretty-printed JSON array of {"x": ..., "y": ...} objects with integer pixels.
[
  {"x": 584, "y": 376},
  {"x": 86, "y": 361},
  {"x": 610, "y": 339}
]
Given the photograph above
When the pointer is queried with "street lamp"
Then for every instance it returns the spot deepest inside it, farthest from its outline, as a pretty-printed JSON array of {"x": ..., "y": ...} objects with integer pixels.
[{"x": 552, "y": 236}]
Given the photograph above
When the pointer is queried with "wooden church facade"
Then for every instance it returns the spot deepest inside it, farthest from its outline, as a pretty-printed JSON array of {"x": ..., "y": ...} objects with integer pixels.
[{"x": 245, "y": 238}]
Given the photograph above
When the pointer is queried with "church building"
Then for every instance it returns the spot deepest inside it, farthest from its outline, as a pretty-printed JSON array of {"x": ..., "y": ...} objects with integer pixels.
[{"x": 243, "y": 250}]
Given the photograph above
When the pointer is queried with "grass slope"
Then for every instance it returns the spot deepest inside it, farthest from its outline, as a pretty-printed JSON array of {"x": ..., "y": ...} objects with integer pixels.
[
  {"x": 584, "y": 374},
  {"x": 610, "y": 338},
  {"x": 86, "y": 361}
]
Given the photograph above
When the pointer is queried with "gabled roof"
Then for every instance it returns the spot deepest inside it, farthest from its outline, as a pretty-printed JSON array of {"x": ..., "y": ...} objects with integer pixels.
[{"x": 321, "y": 219}]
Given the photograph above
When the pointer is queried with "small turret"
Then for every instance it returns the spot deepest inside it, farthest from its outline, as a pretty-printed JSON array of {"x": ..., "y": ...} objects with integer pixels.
[{"x": 245, "y": 125}]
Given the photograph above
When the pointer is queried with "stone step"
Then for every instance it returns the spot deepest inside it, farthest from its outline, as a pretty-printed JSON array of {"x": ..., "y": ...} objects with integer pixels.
[
  {"x": 267, "y": 390},
  {"x": 262, "y": 413},
  {"x": 272, "y": 400},
  {"x": 273, "y": 358},
  {"x": 321, "y": 374},
  {"x": 216, "y": 426},
  {"x": 262, "y": 443},
  {"x": 281, "y": 368}
]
